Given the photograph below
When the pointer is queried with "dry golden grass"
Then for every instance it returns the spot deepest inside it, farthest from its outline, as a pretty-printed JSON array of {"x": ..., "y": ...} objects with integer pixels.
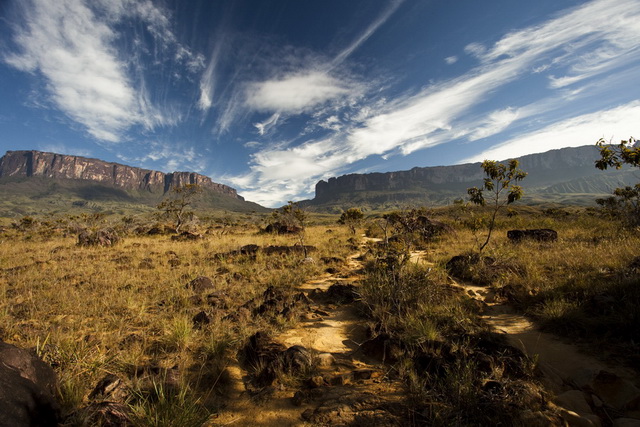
[{"x": 125, "y": 309}]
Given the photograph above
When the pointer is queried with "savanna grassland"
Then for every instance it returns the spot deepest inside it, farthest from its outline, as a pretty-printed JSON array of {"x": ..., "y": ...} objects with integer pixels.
[{"x": 131, "y": 309}]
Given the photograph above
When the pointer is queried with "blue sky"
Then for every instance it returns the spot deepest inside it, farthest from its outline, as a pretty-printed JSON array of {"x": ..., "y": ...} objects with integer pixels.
[{"x": 270, "y": 96}]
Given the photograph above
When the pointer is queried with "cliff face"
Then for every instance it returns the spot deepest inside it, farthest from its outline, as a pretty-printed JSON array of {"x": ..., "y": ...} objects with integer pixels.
[
  {"x": 543, "y": 170},
  {"x": 52, "y": 165}
]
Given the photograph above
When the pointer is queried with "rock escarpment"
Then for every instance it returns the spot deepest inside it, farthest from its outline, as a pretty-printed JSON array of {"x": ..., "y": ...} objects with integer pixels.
[
  {"x": 59, "y": 166},
  {"x": 565, "y": 171}
]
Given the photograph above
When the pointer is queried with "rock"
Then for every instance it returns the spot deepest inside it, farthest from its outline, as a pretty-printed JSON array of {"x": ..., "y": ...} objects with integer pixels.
[
  {"x": 383, "y": 348},
  {"x": 106, "y": 414},
  {"x": 27, "y": 389},
  {"x": 626, "y": 422},
  {"x": 262, "y": 354},
  {"x": 187, "y": 235},
  {"x": 282, "y": 228},
  {"x": 106, "y": 387},
  {"x": 365, "y": 374},
  {"x": 299, "y": 398},
  {"x": 339, "y": 293},
  {"x": 299, "y": 249},
  {"x": 296, "y": 359},
  {"x": 315, "y": 381},
  {"x": 540, "y": 234},
  {"x": 249, "y": 249},
  {"x": 201, "y": 319},
  {"x": 106, "y": 237},
  {"x": 342, "y": 379},
  {"x": 325, "y": 360},
  {"x": 613, "y": 390},
  {"x": 574, "y": 419},
  {"x": 200, "y": 284},
  {"x": 573, "y": 400}
]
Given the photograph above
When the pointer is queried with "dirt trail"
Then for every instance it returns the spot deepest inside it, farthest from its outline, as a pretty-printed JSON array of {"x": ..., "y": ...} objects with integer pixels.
[
  {"x": 562, "y": 363},
  {"x": 334, "y": 336}
]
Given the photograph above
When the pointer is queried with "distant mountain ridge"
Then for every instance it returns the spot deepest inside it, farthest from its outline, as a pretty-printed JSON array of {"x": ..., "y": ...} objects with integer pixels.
[
  {"x": 35, "y": 182},
  {"x": 33, "y": 163},
  {"x": 565, "y": 172}
]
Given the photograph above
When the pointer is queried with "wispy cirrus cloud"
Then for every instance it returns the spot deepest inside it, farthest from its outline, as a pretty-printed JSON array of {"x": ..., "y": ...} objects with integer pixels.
[
  {"x": 296, "y": 93},
  {"x": 73, "y": 45},
  {"x": 613, "y": 124},
  {"x": 445, "y": 111}
]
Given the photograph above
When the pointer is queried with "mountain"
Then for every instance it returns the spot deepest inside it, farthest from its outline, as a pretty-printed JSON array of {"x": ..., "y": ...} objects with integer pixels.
[
  {"x": 567, "y": 175},
  {"x": 37, "y": 182}
]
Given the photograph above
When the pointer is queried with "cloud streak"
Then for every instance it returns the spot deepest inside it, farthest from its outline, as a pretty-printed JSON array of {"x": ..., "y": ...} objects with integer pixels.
[
  {"x": 444, "y": 111},
  {"x": 73, "y": 46}
]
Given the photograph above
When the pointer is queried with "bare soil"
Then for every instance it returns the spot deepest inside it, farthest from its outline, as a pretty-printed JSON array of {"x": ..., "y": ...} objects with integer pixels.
[{"x": 354, "y": 389}]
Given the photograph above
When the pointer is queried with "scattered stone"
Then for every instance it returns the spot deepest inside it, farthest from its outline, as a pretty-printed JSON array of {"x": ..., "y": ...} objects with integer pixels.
[
  {"x": 296, "y": 359},
  {"x": 339, "y": 293},
  {"x": 106, "y": 413},
  {"x": 105, "y": 387},
  {"x": 365, "y": 374},
  {"x": 295, "y": 249},
  {"x": 324, "y": 360},
  {"x": 342, "y": 379},
  {"x": 282, "y": 228},
  {"x": 201, "y": 319},
  {"x": 186, "y": 236},
  {"x": 540, "y": 234},
  {"x": 146, "y": 264},
  {"x": 613, "y": 390},
  {"x": 249, "y": 249},
  {"x": 315, "y": 381},
  {"x": 200, "y": 284},
  {"x": 573, "y": 400},
  {"x": 626, "y": 422},
  {"x": 383, "y": 348},
  {"x": 105, "y": 237},
  {"x": 299, "y": 398}
]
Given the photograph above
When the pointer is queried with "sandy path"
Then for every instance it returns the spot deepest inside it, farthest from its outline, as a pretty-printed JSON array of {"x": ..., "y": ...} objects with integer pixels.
[
  {"x": 563, "y": 364},
  {"x": 338, "y": 331}
]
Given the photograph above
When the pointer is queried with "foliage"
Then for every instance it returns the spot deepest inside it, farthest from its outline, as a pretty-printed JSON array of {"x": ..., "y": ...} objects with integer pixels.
[
  {"x": 624, "y": 205},
  {"x": 627, "y": 152},
  {"x": 176, "y": 205},
  {"x": 352, "y": 218},
  {"x": 500, "y": 183}
]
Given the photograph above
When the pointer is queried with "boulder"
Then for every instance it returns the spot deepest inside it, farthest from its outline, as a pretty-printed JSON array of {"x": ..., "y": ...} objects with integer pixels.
[
  {"x": 538, "y": 234},
  {"x": 200, "y": 284},
  {"x": 27, "y": 389}
]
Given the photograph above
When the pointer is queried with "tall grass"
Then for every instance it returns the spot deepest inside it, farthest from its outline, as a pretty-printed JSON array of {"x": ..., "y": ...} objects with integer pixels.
[{"x": 126, "y": 309}]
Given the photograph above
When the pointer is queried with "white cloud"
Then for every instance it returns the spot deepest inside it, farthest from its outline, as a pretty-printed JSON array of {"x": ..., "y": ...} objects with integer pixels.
[
  {"x": 264, "y": 127},
  {"x": 72, "y": 45},
  {"x": 495, "y": 123},
  {"x": 64, "y": 149},
  {"x": 451, "y": 60},
  {"x": 446, "y": 110},
  {"x": 393, "y": 6},
  {"x": 615, "y": 124},
  {"x": 208, "y": 79},
  {"x": 295, "y": 93}
]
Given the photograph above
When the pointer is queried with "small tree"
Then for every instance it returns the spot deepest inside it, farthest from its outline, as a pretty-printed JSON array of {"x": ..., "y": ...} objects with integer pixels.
[
  {"x": 625, "y": 202},
  {"x": 501, "y": 184},
  {"x": 352, "y": 218},
  {"x": 176, "y": 205}
]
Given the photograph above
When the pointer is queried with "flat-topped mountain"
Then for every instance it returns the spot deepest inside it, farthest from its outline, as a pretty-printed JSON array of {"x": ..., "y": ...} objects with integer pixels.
[
  {"x": 51, "y": 165},
  {"x": 564, "y": 175},
  {"x": 35, "y": 182}
]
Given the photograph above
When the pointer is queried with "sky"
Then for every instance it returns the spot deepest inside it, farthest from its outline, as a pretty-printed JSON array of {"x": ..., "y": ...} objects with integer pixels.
[{"x": 271, "y": 96}]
